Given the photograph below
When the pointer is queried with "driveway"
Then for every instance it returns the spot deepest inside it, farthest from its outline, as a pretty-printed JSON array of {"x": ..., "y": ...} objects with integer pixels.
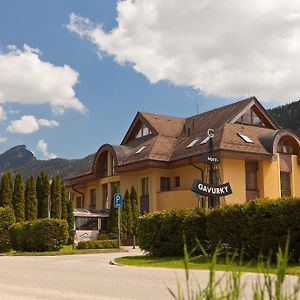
[{"x": 89, "y": 277}]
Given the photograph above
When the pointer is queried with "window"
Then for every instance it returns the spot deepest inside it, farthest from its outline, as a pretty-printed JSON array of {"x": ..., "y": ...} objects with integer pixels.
[
  {"x": 285, "y": 184},
  {"x": 143, "y": 130},
  {"x": 93, "y": 199},
  {"x": 177, "y": 181},
  {"x": 145, "y": 186},
  {"x": 245, "y": 138},
  {"x": 250, "y": 117},
  {"x": 164, "y": 184},
  {"x": 205, "y": 140},
  {"x": 251, "y": 175},
  {"x": 141, "y": 149},
  {"x": 87, "y": 223},
  {"x": 79, "y": 202},
  {"x": 286, "y": 146},
  {"x": 191, "y": 144}
]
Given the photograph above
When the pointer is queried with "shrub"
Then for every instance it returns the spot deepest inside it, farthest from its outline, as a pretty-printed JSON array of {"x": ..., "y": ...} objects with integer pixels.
[
  {"x": 39, "y": 235},
  {"x": 98, "y": 244},
  {"x": 260, "y": 226},
  {"x": 7, "y": 218},
  {"x": 161, "y": 233}
]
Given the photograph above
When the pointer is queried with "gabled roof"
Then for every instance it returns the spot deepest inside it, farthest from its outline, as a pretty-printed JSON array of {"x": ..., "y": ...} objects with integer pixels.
[{"x": 171, "y": 135}]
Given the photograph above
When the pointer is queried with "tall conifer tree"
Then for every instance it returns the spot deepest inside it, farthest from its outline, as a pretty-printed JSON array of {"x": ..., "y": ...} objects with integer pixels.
[
  {"x": 30, "y": 200},
  {"x": 64, "y": 203},
  {"x": 70, "y": 220},
  {"x": 126, "y": 217},
  {"x": 135, "y": 210},
  {"x": 112, "y": 222},
  {"x": 55, "y": 196},
  {"x": 18, "y": 198},
  {"x": 43, "y": 193},
  {"x": 6, "y": 190}
]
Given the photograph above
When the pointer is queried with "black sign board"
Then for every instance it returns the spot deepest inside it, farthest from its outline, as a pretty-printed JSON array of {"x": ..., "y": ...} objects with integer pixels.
[
  {"x": 210, "y": 190},
  {"x": 211, "y": 159}
]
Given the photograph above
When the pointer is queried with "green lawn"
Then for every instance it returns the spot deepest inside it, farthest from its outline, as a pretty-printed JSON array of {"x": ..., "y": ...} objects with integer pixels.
[
  {"x": 202, "y": 263},
  {"x": 66, "y": 250}
]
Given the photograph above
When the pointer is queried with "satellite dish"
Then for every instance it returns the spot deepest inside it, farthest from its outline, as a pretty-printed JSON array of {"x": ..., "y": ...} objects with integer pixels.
[{"x": 210, "y": 133}]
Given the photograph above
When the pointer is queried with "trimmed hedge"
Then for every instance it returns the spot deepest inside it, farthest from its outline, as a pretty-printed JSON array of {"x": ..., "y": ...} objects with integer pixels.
[
  {"x": 161, "y": 233},
  {"x": 257, "y": 227},
  {"x": 98, "y": 244},
  {"x": 39, "y": 235},
  {"x": 7, "y": 218}
]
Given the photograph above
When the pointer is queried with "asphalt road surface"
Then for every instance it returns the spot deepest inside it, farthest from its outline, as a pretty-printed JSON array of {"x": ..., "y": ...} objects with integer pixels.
[{"x": 89, "y": 277}]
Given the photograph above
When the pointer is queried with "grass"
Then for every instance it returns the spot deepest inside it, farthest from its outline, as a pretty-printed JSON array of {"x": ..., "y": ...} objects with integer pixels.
[
  {"x": 202, "y": 263},
  {"x": 66, "y": 250}
]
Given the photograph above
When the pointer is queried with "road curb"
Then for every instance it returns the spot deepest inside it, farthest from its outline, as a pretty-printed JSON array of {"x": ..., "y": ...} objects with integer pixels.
[{"x": 114, "y": 263}]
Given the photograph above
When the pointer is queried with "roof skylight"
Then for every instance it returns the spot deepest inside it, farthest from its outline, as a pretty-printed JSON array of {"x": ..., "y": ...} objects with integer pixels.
[
  {"x": 191, "y": 144},
  {"x": 245, "y": 138},
  {"x": 141, "y": 149},
  {"x": 205, "y": 140}
]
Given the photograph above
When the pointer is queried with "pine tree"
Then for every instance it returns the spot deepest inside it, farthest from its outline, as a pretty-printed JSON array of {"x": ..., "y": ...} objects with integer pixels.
[
  {"x": 43, "y": 193},
  {"x": 55, "y": 196},
  {"x": 126, "y": 217},
  {"x": 70, "y": 220},
  {"x": 30, "y": 200},
  {"x": 135, "y": 210},
  {"x": 18, "y": 198},
  {"x": 112, "y": 222},
  {"x": 64, "y": 200},
  {"x": 6, "y": 190}
]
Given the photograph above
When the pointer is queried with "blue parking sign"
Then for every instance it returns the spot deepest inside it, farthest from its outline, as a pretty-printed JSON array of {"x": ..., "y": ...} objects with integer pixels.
[{"x": 118, "y": 200}]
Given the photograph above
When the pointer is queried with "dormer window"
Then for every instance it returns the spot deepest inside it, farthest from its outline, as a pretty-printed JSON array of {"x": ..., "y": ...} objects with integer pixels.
[
  {"x": 205, "y": 140},
  {"x": 251, "y": 118},
  {"x": 191, "y": 144},
  {"x": 245, "y": 138},
  {"x": 143, "y": 131}
]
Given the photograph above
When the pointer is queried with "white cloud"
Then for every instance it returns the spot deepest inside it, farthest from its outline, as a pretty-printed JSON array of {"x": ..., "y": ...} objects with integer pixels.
[
  {"x": 2, "y": 114},
  {"x": 226, "y": 48},
  {"x": 26, "y": 79},
  {"x": 29, "y": 124},
  {"x": 43, "y": 148},
  {"x": 3, "y": 139}
]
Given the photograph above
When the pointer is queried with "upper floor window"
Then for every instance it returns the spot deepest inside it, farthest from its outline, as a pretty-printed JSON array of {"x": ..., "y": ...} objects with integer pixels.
[
  {"x": 143, "y": 130},
  {"x": 79, "y": 202},
  {"x": 286, "y": 146},
  {"x": 93, "y": 198},
  {"x": 250, "y": 117},
  {"x": 145, "y": 186}
]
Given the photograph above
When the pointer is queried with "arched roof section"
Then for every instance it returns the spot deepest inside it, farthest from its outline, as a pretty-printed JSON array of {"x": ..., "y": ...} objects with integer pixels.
[
  {"x": 118, "y": 153},
  {"x": 292, "y": 137}
]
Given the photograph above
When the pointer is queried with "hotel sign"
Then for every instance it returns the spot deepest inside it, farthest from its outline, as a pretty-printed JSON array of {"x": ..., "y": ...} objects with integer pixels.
[
  {"x": 210, "y": 190},
  {"x": 211, "y": 159}
]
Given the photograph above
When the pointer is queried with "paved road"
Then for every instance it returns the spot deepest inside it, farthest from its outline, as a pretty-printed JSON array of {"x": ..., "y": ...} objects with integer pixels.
[{"x": 87, "y": 277}]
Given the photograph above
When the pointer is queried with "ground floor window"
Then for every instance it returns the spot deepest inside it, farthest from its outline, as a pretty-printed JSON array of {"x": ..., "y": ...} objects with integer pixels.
[
  {"x": 105, "y": 196},
  {"x": 87, "y": 223},
  {"x": 79, "y": 202},
  {"x": 177, "y": 181},
  {"x": 251, "y": 180},
  {"x": 145, "y": 186}
]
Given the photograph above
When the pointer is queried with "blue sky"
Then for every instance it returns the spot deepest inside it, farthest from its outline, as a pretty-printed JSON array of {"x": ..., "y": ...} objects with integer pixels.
[{"x": 111, "y": 76}]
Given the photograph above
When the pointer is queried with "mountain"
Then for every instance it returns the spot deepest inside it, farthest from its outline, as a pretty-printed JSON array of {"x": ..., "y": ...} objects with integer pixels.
[
  {"x": 288, "y": 116},
  {"x": 20, "y": 159}
]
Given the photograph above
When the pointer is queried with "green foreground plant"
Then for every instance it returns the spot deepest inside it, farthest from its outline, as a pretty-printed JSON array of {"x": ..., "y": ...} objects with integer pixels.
[{"x": 229, "y": 286}]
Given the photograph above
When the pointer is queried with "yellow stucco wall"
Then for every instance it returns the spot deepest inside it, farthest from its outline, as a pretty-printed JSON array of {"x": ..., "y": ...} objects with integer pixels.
[
  {"x": 269, "y": 178},
  {"x": 295, "y": 178},
  {"x": 233, "y": 171}
]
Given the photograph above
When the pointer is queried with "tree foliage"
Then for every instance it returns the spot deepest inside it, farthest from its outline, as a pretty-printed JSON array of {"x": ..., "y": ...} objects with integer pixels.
[
  {"x": 55, "y": 196},
  {"x": 112, "y": 222},
  {"x": 43, "y": 193},
  {"x": 18, "y": 198},
  {"x": 30, "y": 200},
  {"x": 126, "y": 217},
  {"x": 64, "y": 203},
  {"x": 70, "y": 220},
  {"x": 135, "y": 210},
  {"x": 6, "y": 190}
]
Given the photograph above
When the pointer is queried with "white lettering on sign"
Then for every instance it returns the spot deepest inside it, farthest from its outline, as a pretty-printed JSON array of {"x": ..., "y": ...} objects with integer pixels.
[{"x": 211, "y": 190}]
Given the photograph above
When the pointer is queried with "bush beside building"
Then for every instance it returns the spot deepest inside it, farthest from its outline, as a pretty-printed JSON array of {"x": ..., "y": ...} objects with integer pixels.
[{"x": 256, "y": 227}]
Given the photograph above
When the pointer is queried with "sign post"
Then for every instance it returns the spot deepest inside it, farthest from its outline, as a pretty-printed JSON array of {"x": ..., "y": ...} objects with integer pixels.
[{"x": 118, "y": 203}]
